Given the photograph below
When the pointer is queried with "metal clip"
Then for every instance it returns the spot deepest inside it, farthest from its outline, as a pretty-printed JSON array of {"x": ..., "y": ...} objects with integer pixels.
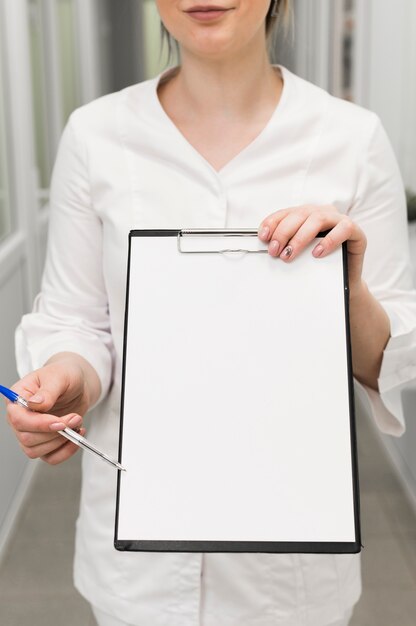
[{"x": 218, "y": 233}]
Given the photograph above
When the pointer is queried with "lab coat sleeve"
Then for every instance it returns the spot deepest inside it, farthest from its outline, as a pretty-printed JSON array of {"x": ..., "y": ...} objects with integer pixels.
[
  {"x": 379, "y": 208},
  {"x": 71, "y": 311}
]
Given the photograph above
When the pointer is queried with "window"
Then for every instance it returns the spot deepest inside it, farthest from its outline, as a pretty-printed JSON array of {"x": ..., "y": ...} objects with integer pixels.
[
  {"x": 5, "y": 214},
  {"x": 65, "y": 12},
  {"x": 348, "y": 49},
  {"x": 55, "y": 90},
  {"x": 37, "y": 55},
  {"x": 343, "y": 14}
]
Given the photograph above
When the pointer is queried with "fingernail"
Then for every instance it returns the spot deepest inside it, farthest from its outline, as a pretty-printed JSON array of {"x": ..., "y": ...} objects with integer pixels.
[
  {"x": 264, "y": 233},
  {"x": 57, "y": 426},
  {"x": 274, "y": 247},
  {"x": 287, "y": 252},
  {"x": 76, "y": 420},
  {"x": 37, "y": 398},
  {"x": 317, "y": 251}
]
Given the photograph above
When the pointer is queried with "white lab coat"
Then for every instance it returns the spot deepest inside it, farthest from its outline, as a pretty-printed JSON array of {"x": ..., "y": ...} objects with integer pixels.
[{"x": 122, "y": 164}]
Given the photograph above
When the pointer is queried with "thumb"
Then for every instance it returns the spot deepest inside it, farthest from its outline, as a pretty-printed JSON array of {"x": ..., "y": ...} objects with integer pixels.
[{"x": 45, "y": 396}]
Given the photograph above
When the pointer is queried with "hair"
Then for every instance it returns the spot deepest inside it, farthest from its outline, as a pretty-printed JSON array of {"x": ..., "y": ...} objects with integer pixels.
[{"x": 283, "y": 10}]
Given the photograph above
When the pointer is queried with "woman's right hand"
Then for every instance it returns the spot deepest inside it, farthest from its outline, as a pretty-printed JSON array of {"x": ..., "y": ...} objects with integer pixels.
[{"x": 58, "y": 395}]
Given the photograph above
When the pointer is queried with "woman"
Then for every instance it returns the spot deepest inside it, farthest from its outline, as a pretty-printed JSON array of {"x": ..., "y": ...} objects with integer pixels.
[{"x": 225, "y": 140}]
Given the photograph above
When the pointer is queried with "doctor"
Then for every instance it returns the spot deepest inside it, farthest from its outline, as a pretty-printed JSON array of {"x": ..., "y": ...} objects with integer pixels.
[{"x": 224, "y": 140}]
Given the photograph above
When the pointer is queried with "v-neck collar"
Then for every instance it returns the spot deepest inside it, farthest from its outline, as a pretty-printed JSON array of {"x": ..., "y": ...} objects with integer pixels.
[{"x": 274, "y": 121}]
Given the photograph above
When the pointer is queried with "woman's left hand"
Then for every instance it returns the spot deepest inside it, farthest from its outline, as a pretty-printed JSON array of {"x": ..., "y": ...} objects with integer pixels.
[{"x": 289, "y": 231}]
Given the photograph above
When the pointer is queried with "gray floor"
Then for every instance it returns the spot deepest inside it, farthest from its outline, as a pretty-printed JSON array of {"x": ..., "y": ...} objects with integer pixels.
[{"x": 35, "y": 577}]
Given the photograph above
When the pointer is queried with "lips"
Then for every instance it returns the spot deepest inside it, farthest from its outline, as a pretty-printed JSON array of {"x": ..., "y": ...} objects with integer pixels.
[
  {"x": 208, "y": 13},
  {"x": 206, "y": 8}
]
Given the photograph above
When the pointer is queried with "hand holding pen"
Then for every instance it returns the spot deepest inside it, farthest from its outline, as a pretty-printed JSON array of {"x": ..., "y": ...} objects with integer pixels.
[{"x": 52, "y": 429}]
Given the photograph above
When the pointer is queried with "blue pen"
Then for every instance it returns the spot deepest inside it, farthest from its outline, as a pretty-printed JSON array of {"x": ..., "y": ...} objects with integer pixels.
[{"x": 70, "y": 434}]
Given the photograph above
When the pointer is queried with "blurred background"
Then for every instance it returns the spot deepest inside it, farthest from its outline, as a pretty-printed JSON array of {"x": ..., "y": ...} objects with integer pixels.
[{"x": 56, "y": 55}]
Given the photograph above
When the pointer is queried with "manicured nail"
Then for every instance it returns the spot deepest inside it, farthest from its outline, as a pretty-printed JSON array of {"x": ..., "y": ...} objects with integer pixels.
[
  {"x": 75, "y": 421},
  {"x": 287, "y": 252},
  {"x": 37, "y": 398},
  {"x": 264, "y": 233},
  {"x": 57, "y": 426},
  {"x": 317, "y": 251},
  {"x": 274, "y": 247}
]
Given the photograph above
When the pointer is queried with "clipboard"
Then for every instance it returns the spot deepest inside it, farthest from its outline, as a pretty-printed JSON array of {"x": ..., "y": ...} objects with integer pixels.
[{"x": 237, "y": 425}]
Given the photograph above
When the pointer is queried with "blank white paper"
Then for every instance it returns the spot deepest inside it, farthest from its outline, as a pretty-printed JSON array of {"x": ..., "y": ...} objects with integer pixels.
[{"x": 236, "y": 423}]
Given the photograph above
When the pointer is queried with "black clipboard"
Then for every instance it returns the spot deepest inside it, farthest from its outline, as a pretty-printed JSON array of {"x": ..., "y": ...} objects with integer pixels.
[{"x": 164, "y": 267}]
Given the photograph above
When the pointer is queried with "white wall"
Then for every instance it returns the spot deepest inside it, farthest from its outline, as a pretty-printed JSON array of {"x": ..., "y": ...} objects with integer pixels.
[
  {"x": 18, "y": 252},
  {"x": 386, "y": 84},
  {"x": 313, "y": 37},
  {"x": 402, "y": 451},
  {"x": 15, "y": 469},
  {"x": 22, "y": 251},
  {"x": 386, "y": 81},
  {"x": 384, "y": 63}
]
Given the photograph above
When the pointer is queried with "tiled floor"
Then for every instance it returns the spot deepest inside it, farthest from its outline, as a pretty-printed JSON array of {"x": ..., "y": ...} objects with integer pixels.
[{"x": 35, "y": 577}]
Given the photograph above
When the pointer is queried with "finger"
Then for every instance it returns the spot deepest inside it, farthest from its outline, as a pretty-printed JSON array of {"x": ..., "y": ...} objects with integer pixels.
[
  {"x": 344, "y": 230},
  {"x": 269, "y": 224},
  {"x": 22, "y": 420},
  {"x": 28, "y": 385},
  {"x": 63, "y": 453},
  {"x": 47, "y": 448},
  {"x": 38, "y": 451},
  {"x": 40, "y": 396},
  {"x": 31, "y": 439},
  {"x": 48, "y": 451},
  {"x": 307, "y": 232},
  {"x": 284, "y": 231}
]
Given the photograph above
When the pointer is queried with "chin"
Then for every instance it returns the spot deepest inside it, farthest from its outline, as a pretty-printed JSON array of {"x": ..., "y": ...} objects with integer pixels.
[{"x": 213, "y": 46}]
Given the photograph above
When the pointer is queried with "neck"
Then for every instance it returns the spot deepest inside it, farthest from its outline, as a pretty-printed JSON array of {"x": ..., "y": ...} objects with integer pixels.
[{"x": 234, "y": 86}]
